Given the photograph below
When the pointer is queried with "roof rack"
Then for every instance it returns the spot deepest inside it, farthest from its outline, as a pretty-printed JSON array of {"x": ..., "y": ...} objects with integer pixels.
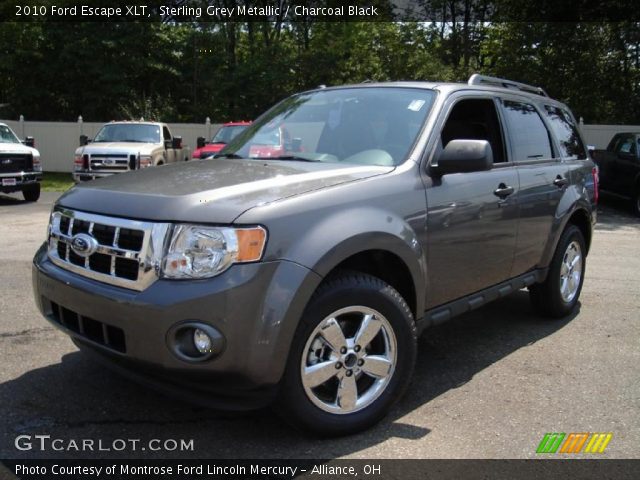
[{"x": 477, "y": 79}]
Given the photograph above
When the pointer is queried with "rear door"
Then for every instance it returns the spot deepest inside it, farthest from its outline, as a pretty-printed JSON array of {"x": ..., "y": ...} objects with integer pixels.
[
  {"x": 170, "y": 151},
  {"x": 543, "y": 176},
  {"x": 472, "y": 217}
]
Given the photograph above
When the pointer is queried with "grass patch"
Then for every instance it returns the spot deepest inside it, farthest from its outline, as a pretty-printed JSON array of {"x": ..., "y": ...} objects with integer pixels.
[{"x": 56, "y": 182}]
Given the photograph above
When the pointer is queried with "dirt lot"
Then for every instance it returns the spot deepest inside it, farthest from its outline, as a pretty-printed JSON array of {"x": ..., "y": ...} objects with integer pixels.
[{"x": 489, "y": 384}]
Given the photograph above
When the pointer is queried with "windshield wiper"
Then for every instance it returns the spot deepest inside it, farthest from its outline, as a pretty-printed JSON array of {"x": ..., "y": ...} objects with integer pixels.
[{"x": 288, "y": 157}]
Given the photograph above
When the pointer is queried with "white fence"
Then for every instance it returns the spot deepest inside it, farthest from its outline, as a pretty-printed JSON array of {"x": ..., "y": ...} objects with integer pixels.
[{"x": 57, "y": 141}]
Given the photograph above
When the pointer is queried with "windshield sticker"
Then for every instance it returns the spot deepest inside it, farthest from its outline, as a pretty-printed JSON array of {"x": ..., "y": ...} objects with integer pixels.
[{"x": 416, "y": 105}]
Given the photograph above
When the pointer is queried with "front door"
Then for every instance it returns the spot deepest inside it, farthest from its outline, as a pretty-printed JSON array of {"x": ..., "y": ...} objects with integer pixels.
[{"x": 472, "y": 218}]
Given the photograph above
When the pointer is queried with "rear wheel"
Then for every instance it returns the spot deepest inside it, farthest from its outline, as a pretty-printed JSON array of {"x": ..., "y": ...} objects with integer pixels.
[
  {"x": 31, "y": 193},
  {"x": 558, "y": 295},
  {"x": 352, "y": 356}
]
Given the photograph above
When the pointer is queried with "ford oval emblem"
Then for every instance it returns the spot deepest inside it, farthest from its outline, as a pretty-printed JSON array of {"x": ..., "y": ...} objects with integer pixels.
[{"x": 83, "y": 244}]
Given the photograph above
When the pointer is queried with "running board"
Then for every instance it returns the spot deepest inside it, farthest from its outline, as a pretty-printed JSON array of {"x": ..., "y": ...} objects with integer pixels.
[{"x": 442, "y": 313}]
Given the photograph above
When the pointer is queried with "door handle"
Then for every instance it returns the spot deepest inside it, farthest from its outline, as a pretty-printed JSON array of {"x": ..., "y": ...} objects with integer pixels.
[
  {"x": 503, "y": 191},
  {"x": 560, "y": 181}
]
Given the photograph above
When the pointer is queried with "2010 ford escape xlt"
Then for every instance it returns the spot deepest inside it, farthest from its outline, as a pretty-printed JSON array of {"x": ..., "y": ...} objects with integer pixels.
[{"x": 306, "y": 276}]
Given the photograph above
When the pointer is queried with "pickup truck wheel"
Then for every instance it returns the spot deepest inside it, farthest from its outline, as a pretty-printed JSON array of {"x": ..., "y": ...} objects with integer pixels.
[
  {"x": 31, "y": 193},
  {"x": 558, "y": 295},
  {"x": 352, "y": 356},
  {"x": 636, "y": 202}
]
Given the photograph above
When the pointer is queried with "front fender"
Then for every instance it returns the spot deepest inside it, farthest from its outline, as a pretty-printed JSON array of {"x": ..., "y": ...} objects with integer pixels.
[{"x": 324, "y": 244}]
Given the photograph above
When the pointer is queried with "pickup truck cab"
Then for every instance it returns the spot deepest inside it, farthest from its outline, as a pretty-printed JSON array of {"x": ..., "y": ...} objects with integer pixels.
[
  {"x": 224, "y": 135},
  {"x": 124, "y": 146},
  {"x": 620, "y": 167},
  {"x": 20, "y": 167},
  {"x": 303, "y": 279}
]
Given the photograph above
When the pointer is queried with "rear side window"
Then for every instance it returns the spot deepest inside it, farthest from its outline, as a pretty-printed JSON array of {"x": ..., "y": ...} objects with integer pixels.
[
  {"x": 529, "y": 136},
  {"x": 566, "y": 132}
]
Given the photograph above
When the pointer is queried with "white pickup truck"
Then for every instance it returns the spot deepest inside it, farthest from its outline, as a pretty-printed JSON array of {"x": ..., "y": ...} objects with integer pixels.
[{"x": 123, "y": 146}]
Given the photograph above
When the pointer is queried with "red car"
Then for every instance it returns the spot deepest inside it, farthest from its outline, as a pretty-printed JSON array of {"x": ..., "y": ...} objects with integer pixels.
[
  {"x": 227, "y": 132},
  {"x": 271, "y": 143}
]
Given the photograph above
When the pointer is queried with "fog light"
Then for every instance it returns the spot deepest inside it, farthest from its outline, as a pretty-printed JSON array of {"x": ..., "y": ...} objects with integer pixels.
[{"x": 202, "y": 341}]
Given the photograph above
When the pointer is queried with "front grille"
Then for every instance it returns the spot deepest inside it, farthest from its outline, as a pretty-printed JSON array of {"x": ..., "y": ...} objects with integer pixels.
[
  {"x": 119, "y": 251},
  {"x": 109, "y": 162},
  {"x": 98, "y": 332},
  {"x": 15, "y": 162}
]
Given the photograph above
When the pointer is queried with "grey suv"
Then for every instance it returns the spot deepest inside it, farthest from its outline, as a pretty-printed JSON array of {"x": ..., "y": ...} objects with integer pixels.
[{"x": 306, "y": 272}]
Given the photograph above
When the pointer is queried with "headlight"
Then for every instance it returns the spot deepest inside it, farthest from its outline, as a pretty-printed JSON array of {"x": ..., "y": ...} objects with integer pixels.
[
  {"x": 201, "y": 252},
  {"x": 146, "y": 161},
  {"x": 37, "y": 166}
]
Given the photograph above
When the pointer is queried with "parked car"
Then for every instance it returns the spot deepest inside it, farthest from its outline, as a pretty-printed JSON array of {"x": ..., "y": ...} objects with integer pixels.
[
  {"x": 620, "y": 167},
  {"x": 20, "y": 167},
  {"x": 224, "y": 135},
  {"x": 124, "y": 146},
  {"x": 305, "y": 278}
]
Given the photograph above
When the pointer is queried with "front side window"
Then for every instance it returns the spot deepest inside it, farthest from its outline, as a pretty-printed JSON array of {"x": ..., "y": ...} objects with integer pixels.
[
  {"x": 529, "y": 136},
  {"x": 123, "y": 132},
  {"x": 7, "y": 135},
  {"x": 566, "y": 132},
  {"x": 367, "y": 125}
]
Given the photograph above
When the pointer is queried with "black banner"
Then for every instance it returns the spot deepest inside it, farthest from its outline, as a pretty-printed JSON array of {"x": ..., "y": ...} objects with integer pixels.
[{"x": 583, "y": 469}]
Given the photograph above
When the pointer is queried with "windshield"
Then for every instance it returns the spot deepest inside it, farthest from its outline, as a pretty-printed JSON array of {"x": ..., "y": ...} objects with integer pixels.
[
  {"x": 227, "y": 133},
  {"x": 125, "y": 132},
  {"x": 7, "y": 135},
  {"x": 368, "y": 125}
]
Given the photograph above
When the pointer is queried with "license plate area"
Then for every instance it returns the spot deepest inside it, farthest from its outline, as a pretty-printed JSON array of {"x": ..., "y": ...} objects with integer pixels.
[{"x": 9, "y": 182}]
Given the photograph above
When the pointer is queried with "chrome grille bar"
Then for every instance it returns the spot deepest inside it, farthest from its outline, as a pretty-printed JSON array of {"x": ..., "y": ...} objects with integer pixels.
[{"x": 122, "y": 263}]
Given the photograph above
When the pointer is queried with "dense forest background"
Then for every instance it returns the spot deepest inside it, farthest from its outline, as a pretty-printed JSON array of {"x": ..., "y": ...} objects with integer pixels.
[{"x": 185, "y": 71}]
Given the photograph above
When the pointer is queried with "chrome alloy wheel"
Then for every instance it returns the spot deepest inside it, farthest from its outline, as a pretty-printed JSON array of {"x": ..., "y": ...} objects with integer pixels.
[
  {"x": 571, "y": 272},
  {"x": 348, "y": 360}
]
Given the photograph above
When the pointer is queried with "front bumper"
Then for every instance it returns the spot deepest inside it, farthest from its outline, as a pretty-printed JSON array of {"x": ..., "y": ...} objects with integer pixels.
[
  {"x": 22, "y": 179},
  {"x": 86, "y": 175},
  {"x": 255, "y": 306}
]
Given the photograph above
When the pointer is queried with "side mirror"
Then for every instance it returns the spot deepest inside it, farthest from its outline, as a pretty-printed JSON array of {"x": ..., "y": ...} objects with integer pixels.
[
  {"x": 29, "y": 142},
  {"x": 296, "y": 145},
  {"x": 200, "y": 142},
  {"x": 83, "y": 140},
  {"x": 461, "y": 156},
  {"x": 177, "y": 142}
]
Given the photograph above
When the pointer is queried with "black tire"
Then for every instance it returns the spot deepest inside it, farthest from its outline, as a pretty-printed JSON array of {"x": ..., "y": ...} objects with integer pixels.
[
  {"x": 547, "y": 297},
  {"x": 343, "y": 291},
  {"x": 31, "y": 193},
  {"x": 635, "y": 202}
]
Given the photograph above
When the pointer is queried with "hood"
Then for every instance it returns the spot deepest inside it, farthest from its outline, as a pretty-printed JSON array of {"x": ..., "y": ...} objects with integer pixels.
[
  {"x": 125, "y": 148},
  {"x": 208, "y": 191},
  {"x": 17, "y": 148},
  {"x": 209, "y": 148}
]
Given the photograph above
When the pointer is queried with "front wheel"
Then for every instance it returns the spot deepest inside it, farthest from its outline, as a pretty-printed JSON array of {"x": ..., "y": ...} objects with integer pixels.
[
  {"x": 352, "y": 356},
  {"x": 558, "y": 295},
  {"x": 31, "y": 193}
]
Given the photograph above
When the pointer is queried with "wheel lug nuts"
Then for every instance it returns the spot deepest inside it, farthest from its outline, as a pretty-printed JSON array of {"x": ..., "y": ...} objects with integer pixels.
[
  {"x": 338, "y": 366},
  {"x": 343, "y": 350},
  {"x": 360, "y": 362},
  {"x": 349, "y": 373},
  {"x": 357, "y": 348}
]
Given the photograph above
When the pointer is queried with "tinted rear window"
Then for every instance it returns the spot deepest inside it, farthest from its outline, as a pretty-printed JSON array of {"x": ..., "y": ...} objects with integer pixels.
[
  {"x": 529, "y": 136},
  {"x": 566, "y": 132}
]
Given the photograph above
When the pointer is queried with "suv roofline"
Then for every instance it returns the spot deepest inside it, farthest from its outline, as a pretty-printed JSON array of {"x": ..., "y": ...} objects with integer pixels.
[{"x": 476, "y": 82}]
